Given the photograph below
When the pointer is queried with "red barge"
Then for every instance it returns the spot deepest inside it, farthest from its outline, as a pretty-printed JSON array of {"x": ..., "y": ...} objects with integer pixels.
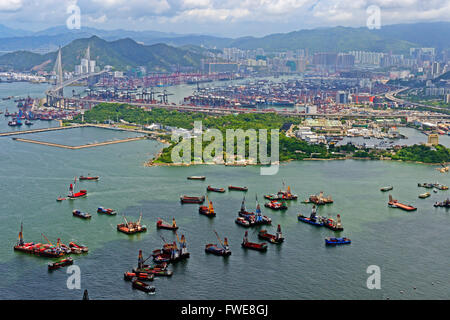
[
  {"x": 277, "y": 238},
  {"x": 207, "y": 210},
  {"x": 395, "y": 204},
  {"x": 159, "y": 270},
  {"x": 220, "y": 190},
  {"x": 89, "y": 178},
  {"x": 131, "y": 227},
  {"x": 223, "y": 250},
  {"x": 171, "y": 252},
  {"x": 161, "y": 224},
  {"x": 187, "y": 199},
  {"x": 251, "y": 245},
  {"x": 75, "y": 195},
  {"x": 238, "y": 188}
]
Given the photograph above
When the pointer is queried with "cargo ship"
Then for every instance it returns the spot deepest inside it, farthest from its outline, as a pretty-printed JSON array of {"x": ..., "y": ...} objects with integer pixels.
[
  {"x": 276, "y": 238},
  {"x": 171, "y": 252},
  {"x": 275, "y": 205},
  {"x": 245, "y": 189},
  {"x": 140, "y": 285},
  {"x": 59, "y": 264},
  {"x": 282, "y": 195},
  {"x": 312, "y": 219},
  {"x": 331, "y": 224},
  {"x": 142, "y": 276},
  {"x": 395, "y": 204},
  {"x": 132, "y": 227},
  {"x": 221, "y": 190},
  {"x": 242, "y": 221},
  {"x": 319, "y": 199},
  {"x": 43, "y": 250},
  {"x": 161, "y": 224},
  {"x": 108, "y": 211},
  {"x": 207, "y": 210},
  {"x": 159, "y": 270},
  {"x": 82, "y": 215},
  {"x": 223, "y": 250},
  {"x": 75, "y": 195},
  {"x": 251, "y": 245},
  {"x": 186, "y": 199},
  {"x": 330, "y": 241}
]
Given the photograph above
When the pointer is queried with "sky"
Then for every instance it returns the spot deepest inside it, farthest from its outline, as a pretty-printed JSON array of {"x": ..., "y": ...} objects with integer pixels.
[{"x": 231, "y": 18}]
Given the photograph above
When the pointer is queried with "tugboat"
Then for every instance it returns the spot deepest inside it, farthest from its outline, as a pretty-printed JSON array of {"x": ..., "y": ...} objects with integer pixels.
[
  {"x": 171, "y": 253},
  {"x": 336, "y": 241},
  {"x": 15, "y": 123},
  {"x": 75, "y": 195},
  {"x": 245, "y": 189},
  {"x": 221, "y": 190},
  {"x": 275, "y": 205},
  {"x": 207, "y": 211},
  {"x": 319, "y": 199},
  {"x": 186, "y": 199},
  {"x": 440, "y": 186},
  {"x": 312, "y": 218},
  {"x": 196, "y": 178},
  {"x": 76, "y": 248},
  {"x": 142, "y": 276},
  {"x": 132, "y": 227},
  {"x": 251, "y": 245},
  {"x": 333, "y": 225},
  {"x": 424, "y": 195},
  {"x": 61, "y": 263},
  {"x": 426, "y": 185},
  {"x": 160, "y": 224},
  {"x": 59, "y": 199},
  {"x": 89, "y": 178},
  {"x": 28, "y": 123},
  {"x": 384, "y": 189},
  {"x": 277, "y": 238},
  {"x": 395, "y": 204},
  {"x": 223, "y": 250},
  {"x": 443, "y": 204},
  {"x": 82, "y": 215},
  {"x": 159, "y": 270},
  {"x": 108, "y": 211},
  {"x": 137, "y": 284}
]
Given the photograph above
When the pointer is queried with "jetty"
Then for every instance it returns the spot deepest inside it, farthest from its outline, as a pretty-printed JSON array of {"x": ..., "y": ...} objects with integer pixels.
[{"x": 90, "y": 145}]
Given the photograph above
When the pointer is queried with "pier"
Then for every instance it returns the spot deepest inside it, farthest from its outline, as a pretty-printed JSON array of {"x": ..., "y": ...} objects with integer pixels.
[
  {"x": 14, "y": 133},
  {"x": 84, "y": 146}
]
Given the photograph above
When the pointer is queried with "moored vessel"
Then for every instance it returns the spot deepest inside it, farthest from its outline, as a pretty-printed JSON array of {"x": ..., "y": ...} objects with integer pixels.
[
  {"x": 238, "y": 188},
  {"x": 312, "y": 219},
  {"x": 276, "y": 205},
  {"x": 223, "y": 250},
  {"x": 107, "y": 211},
  {"x": 395, "y": 204},
  {"x": 276, "y": 238},
  {"x": 424, "y": 195},
  {"x": 82, "y": 215},
  {"x": 132, "y": 227},
  {"x": 211, "y": 189},
  {"x": 196, "y": 178},
  {"x": 388, "y": 188},
  {"x": 252, "y": 245},
  {"x": 89, "y": 178},
  {"x": 207, "y": 210},
  {"x": 187, "y": 199},
  {"x": 75, "y": 195},
  {"x": 161, "y": 224},
  {"x": 140, "y": 285},
  {"x": 59, "y": 264},
  {"x": 337, "y": 241}
]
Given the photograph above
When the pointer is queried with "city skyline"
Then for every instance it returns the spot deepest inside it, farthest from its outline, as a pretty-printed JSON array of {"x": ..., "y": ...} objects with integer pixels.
[{"x": 229, "y": 19}]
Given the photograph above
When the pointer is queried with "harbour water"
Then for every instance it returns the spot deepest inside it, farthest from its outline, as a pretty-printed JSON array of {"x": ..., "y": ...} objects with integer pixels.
[{"x": 410, "y": 248}]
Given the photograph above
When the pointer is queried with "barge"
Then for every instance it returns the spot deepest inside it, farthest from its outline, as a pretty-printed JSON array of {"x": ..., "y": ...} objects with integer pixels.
[
  {"x": 59, "y": 264},
  {"x": 82, "y": 215},
  {"x": 395, "y": 204},
  {"x": 207, "y": 210},
  {"x": 223, "y": 250},
  {"x": 277, "y": 238},
  {"x": 161, "y": 224},
  {"x": 245, "y": 189},
  {"x": 107, "y": 211},
  {"x": 132, "y": 227},
  {"x": 275, "y": 205},
  {"x": 187, "y": 199},
  {"x": 330, "y": 241},
  {"x": 211, "y": 189},
  {"x": 251, "y": 245}
]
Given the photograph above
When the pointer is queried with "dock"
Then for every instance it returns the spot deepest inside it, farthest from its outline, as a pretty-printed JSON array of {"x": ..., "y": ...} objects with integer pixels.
[
  {"x": 16, "y": 133},
  {"x": 90, "y": 145}
]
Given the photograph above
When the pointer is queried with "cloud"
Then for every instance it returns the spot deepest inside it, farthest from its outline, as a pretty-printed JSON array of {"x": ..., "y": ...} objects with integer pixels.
[{"x": 239, "y": 17}]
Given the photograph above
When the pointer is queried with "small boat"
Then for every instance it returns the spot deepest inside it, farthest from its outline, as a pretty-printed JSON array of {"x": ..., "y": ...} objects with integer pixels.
[
  {"x": 223, "y": 250},
  {"x": 221, "y": 190},
  {"x": 424, "y": 195},
  {"x": 88, "y": 178},
  {"x": 160, "y": 224},
  {"x": 251, "y": 245},
  {"x": 435, "y": 190},
  {"x": 79, "y": 214},
  {"x": 108, "y": 211},
  {"x": 76, "y": 248},
  {"x": 142, "y": 276},
  {"x": 59, "y": 199},
  {"x": 187, "y": 199},
  {"x": 131, "y": 227},
  {"x": 443, "y": 204},
  {"x": 336, "y": 241},
  {"x": 275, "y": 205},
  {"x": 425, "y": 185},
  {"x": 243, "y": 222},
  {"x": 14, "y": 123},
  {"x": 277, "y": 238},
  {"x": 395, "y": 204},
  {"x": 137, "y": 284},
  {"x": 238, "y": 188},
  {"x": 440, "y": 186},
  {"x": 61, "y": 263},
  {"x": 207, "y": 211},
  {"x": 28, "y": 123},
  {"x": 196, "y": 178},
  {"x": 388, "y": 188},
  {"x": 320, "y": 199}
]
